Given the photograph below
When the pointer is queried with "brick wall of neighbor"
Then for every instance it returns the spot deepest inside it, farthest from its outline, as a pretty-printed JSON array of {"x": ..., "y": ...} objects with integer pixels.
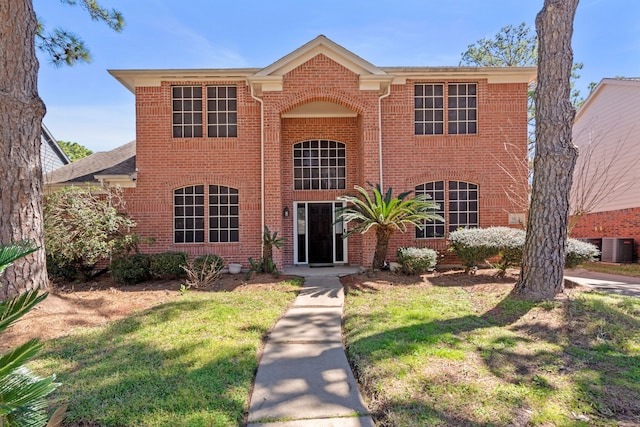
[
  {"x": 165, "y": 163},
  {"x": 624, "y": 223}
]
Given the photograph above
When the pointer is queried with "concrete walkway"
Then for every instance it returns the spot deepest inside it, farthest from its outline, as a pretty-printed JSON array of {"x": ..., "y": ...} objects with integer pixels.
[
  {"x": 618, "y": 284},
  {"x": 303, "y": 377}
]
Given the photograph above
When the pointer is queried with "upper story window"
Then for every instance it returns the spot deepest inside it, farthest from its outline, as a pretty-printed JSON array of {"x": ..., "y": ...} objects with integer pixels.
[
  {"x": 461, "y": 108},
  {"x": 187, "y": 111},
  {"x": 222, "y": 111},
  {"x": 459, "y": 208},
  {"x": 189, "y": 108},
  {"x": 429, "y": 109},
  {"x": 319, "y": 165}
]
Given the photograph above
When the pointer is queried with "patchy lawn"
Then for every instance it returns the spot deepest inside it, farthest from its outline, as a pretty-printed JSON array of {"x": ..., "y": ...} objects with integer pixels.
[
  {"x": 457, "y": 350},
  {"x": 152, "y": 356},
  {"x": 632, "y": 270}
]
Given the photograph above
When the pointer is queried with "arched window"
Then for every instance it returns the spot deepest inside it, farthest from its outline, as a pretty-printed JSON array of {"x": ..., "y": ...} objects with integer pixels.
[
  {"x": 319, "y": 165},
  {"x": 189, "y": 214},
  {"x": 458, "y": 205}
]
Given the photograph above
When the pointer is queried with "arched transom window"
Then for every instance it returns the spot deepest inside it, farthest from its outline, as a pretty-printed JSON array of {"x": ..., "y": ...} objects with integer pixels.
[{"x": 319, "y": 165}]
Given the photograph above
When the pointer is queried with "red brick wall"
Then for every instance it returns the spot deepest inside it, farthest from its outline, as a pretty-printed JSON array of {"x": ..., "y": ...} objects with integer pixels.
[
  {"x": 166, "y": 163},
  {"x": 624, "y": 223}
]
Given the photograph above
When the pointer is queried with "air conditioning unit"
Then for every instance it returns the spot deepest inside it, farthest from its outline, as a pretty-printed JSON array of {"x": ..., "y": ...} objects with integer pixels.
[{"x": 617, "y": 250}]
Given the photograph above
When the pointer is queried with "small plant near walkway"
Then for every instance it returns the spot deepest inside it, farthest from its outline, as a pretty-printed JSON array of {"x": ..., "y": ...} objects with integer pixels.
[
  {"x": 416, "y": 260},
  {"x": 265, "y": 264}
]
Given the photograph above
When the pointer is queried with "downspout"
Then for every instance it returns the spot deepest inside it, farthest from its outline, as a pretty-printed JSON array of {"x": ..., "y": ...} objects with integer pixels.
[
  {"x": 380, "y": 130},
  {"x": 261, "y": 165}
]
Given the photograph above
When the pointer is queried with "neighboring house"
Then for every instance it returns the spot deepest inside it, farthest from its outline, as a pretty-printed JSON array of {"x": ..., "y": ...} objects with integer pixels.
[
  {"x": 221, "y": 153},
  {"x": 115, "y": 168},
  {"x": 606, "y": 131},
  {"x": 51, "y": 154}
]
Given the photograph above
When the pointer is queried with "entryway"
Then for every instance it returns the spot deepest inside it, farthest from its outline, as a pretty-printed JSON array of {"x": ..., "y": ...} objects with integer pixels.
[{"x": 317, "y": 236}]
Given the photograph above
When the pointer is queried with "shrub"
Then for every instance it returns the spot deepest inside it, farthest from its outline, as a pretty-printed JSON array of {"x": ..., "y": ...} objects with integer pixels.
[
  {"x": 476, "y": 245},
  {"x": 168, "y": 263},
  {"x": 417, "y": 260},
  {"x": 59, "y": 268},
  {"x": 205, "y": 270},
  {"x": 206, "y": 261},
  {"x": 579, "y": 252},
  {"x": 131, "y": 269},
  {"x": 82, "y": 228}
]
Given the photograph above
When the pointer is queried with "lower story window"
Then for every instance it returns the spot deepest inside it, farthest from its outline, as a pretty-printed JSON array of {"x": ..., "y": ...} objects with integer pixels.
[
  {"x": 461, "y": 205},
  {"x": 189, "y": 214}
]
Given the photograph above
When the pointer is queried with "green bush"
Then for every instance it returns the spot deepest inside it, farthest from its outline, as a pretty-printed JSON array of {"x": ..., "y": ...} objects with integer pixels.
[
  {"x": 205, "y": 262},
  {"x": 168, "y": 263},
  {"x": 131, "y": 269},
  {"x": 579, "y": 252},
  {"x": 476, "y": 245},
  {"x": 417, "y": 260},
  {"x": 58, "y": 268}
]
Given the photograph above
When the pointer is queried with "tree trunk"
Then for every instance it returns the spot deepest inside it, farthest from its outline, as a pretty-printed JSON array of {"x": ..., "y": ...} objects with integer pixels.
[
  {"x": 21, "y": 112},
  {"x": 541, "y": 275},
  {"x": 382, "y": 244}
]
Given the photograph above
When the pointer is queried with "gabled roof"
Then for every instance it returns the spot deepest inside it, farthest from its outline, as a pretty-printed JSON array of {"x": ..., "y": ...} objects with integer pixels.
[
  {"x": 371, "y": 76},
  {"x": 595, "y": 93},
  {"x": 116, "y": 166},
  {"x": 52, "y": 156}
]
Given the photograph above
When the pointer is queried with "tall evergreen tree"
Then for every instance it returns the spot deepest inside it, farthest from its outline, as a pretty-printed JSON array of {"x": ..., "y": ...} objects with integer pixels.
[
  {"x": 541, "y": 274},
  {"x": 21, "y": 112}
]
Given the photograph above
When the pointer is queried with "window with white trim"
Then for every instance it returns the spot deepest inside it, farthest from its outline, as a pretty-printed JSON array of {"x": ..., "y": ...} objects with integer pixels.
[
  {"x": 458, "y": 205},
  {"x": 433, "y": 229},
  {"x": 189, "y": 108},
  {"x": 429, "y": 109},
  {"x": 187, "y": 111},
  {"x": 190, "y": 211},
  {"x": 319, "y": 165},
  {"x": 463, "y": 205},
  {"x": 461, "y": 108},
  {"x": 188, "y": 214},
  {"x": 223, "y": 214}
]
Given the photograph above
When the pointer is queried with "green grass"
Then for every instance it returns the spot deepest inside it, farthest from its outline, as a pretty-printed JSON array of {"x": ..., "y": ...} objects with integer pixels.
[
  {"x": 632, "y": 270},
  {"x": 441, "y": 356},
  {"x": 189, "y": 362}
]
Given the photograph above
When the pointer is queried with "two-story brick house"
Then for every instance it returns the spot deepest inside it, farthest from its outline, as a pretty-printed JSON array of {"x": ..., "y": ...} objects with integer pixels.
[{"x": 220, "y": 153}]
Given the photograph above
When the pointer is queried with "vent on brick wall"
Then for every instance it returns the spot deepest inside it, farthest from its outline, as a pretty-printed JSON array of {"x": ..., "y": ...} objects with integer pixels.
[{"x": 617, "y": 250}]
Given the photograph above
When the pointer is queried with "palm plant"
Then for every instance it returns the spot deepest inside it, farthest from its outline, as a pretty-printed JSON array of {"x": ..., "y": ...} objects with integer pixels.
[
  {"x": 385, "y": 214},
  {"x": 22, "y": 394}
]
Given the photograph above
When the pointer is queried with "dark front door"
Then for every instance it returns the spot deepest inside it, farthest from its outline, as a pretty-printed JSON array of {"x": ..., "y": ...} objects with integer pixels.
[{"x": 320, "y": 233}]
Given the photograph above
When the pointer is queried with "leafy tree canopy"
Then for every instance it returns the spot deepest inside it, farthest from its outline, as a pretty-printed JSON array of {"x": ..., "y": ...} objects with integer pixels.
[
  {"x": 74, "y": 150},
  {"x": 64, "y": 47}
]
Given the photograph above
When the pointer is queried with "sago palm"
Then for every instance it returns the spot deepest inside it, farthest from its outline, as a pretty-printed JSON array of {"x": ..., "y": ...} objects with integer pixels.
[
  {"x": 22, "y": 394},
  {"x": 386, "y": 214}
]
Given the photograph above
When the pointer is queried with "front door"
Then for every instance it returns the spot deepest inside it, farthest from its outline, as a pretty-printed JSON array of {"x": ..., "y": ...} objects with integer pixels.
[
  {"x": 320, "y": 233},
  {"x": 318, "y": 238}
]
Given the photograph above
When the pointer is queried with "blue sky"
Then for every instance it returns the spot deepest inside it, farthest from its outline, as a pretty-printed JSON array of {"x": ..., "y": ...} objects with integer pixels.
[{"x": 86, "y": 105}]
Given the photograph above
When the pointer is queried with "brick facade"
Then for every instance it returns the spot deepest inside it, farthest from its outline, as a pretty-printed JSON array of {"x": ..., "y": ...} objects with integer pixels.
[
  {"x": 380, "y": 113},
  {"x": 621, "y": 223}
]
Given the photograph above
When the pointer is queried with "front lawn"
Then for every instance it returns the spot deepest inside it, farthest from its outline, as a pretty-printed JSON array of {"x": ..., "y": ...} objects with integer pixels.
[
  {"x": 632, "y": 270},
  {"x": 187, "y": 362},
  {"x": 458, "y": 350}
]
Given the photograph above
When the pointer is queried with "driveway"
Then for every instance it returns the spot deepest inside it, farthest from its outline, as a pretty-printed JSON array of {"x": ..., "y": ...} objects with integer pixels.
[{"x": 624, "y": 285}]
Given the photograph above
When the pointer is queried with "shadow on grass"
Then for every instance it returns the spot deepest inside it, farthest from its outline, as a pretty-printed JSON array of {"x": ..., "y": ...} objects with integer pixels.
[
  {"x": 120, "y": 375},
  {"x": 594, "y": 349}
]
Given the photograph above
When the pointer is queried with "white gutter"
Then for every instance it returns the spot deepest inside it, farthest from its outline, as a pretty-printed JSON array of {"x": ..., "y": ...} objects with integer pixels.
[
  {"x": 380, "y": 131},
  {"x": 261, "y": 165}
]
